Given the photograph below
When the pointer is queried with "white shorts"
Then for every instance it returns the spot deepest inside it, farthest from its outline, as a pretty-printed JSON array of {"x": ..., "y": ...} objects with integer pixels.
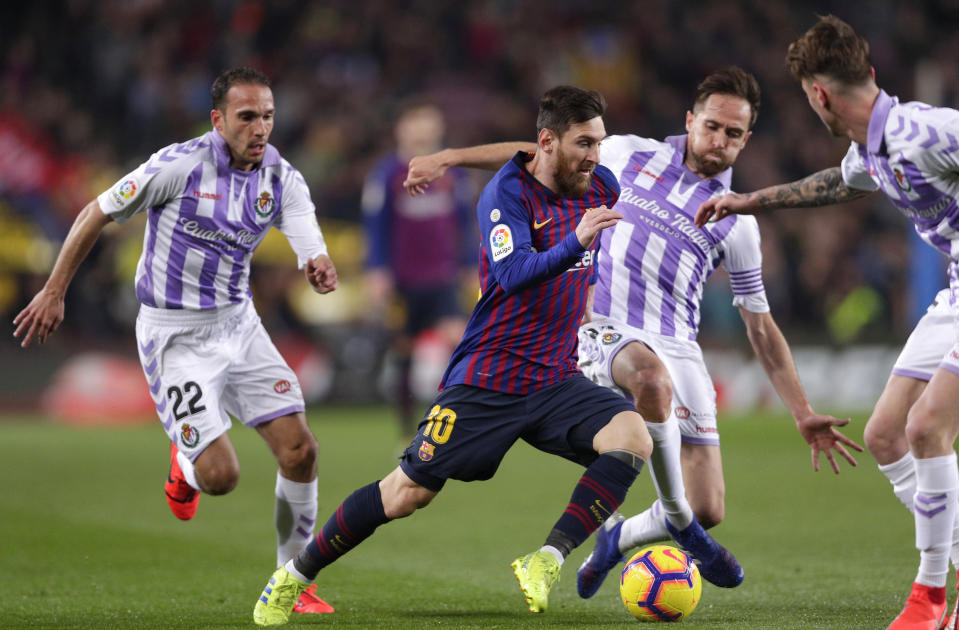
[
  {"x": 202, "y": 366},
  {"x": 934, "y": 342},
  {"x": 694, "y": 397}
]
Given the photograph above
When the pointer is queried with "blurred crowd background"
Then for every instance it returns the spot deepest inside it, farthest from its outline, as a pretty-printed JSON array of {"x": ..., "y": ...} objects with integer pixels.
[{"x": 89, "y": 89}]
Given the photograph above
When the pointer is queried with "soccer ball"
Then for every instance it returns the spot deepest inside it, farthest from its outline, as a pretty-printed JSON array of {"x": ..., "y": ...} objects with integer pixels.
[{"x": 660, "y": 583}]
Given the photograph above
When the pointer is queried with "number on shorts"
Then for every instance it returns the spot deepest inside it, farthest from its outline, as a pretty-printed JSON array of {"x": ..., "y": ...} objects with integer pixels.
[
  {"x": 440, "y": 425},
  {"x": 193, "y": 405}
]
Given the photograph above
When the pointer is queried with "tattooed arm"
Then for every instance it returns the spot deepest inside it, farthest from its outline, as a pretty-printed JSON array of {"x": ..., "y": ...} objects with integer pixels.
[{"x": 819, "y": 189}]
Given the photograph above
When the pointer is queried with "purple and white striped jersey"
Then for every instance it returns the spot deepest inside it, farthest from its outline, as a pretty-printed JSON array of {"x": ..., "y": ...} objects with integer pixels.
[
  {"x": 912, "y": 155},
  {"x": 204, "y": 219},
  {"x": 654, "y": 263}
]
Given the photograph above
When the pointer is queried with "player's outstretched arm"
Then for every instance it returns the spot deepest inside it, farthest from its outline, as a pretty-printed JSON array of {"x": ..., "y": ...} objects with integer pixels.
[
  {"x": 425, "y": 169},
  {"x": 819, "y": 189},
  {"x": 321, "y": 274},
  {"x": 819, "y": 430},
  {"x": 44, "y": 313}
]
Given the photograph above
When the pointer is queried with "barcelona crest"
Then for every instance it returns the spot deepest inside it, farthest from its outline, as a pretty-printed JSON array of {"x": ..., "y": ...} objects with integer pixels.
[
  {"x": 264, "y": 205},
  {"x": 426, "y": 451}
]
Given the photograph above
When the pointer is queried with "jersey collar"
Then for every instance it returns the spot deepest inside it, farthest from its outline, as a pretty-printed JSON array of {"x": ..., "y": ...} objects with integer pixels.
[
  {"x": 877, "y": 121},
  {"x": 679, "y": 144},
  {"x": 271, "y": 157}
]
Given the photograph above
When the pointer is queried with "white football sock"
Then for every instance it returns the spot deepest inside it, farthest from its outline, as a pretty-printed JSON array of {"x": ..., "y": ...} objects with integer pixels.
[
  {"x": 188, "y": 470},
  {"x": 644, "y": 528},
  {"x": 902, "y": 475},
  {"x": 556, "y": 552},
  {"x": 667, "y": 472},
  {"x": 937, "y": 490},
  {"x": 294, "y": 516}
]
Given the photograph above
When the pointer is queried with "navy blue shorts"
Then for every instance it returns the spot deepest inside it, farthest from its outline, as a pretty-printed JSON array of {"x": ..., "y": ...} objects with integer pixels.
[{"x": 468, "y": 430}]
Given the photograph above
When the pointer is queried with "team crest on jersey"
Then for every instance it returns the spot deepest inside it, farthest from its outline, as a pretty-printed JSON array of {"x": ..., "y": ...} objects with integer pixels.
[
  {"x": 501, "y": 241},
  {"x": 124, "y": 192},
  {"x": 189, "y": 435},
  {"x": 901, "y": 180},
  {"x": 611, "y": 338},
  {"x": 426, "y": 451},
  {"x": 264, "y": 205}
]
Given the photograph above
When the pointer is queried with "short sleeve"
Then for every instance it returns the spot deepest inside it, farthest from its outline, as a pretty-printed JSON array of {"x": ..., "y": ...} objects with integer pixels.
[{"x": 855, "y": 171}]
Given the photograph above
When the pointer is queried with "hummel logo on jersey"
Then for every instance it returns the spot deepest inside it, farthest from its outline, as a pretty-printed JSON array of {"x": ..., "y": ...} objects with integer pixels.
[{"x": 538, "y": 225}]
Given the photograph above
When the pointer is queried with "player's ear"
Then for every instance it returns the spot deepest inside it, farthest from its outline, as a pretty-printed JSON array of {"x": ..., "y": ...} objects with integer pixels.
[
  {"x": 546, "y": 140},
  {"x": 216, "y": 118},
  {"x": 689, "y": 119}
]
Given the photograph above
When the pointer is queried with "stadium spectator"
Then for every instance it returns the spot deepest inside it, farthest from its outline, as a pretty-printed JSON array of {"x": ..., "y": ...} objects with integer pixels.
[
  {"x": 513, "y": 375},
  {"x": 209, "y": 201},
  {"x": 420, "y": 250},
  {"x": 910, "y": 152}
]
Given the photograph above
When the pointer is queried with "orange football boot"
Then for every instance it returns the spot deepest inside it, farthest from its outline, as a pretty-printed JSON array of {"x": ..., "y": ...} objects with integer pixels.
[
  {"x": 925, "y": 607},
  {"x": 180, "y": 496},
  {"x": 310, "y": 603}
]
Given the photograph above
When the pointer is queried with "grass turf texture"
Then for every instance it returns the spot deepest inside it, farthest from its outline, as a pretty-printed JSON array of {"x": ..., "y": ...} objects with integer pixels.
[{"x": 88, "y": 541}]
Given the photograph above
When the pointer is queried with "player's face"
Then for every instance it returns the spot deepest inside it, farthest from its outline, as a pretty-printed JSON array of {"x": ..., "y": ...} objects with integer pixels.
[
  {"x": 718, "y": 131},
  {"x": 245, "y": 123},
  {"x": 576, "y": 156},
  {"x": 816, "y": 98}
]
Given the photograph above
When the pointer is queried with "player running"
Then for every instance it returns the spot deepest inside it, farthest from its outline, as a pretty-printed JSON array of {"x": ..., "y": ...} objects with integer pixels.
[
  {"x": 513, "y": 375},
  {"x": 641, "y": 340},
  {"x": 209, "y": 202},
  {"x": 909, "y": 151}
]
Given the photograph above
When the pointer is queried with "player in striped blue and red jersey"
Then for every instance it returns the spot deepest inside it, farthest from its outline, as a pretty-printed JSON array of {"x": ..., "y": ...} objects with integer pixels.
[
  {"x": 909, "y": 151},
  {"x": 513, "y": 376}
]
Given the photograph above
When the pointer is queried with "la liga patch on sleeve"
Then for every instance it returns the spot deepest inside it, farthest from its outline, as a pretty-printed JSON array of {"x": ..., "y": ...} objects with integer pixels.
[{"x": 501, "y": 241}]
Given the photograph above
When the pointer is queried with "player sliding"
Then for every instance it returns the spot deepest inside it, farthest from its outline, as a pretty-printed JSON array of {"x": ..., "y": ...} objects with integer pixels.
[
  {"x": 209, "y": 202},
  {"x": 909, "y": 151},
  {"x": 641, "y": 340},
  {"x": 513, "y": 376}
]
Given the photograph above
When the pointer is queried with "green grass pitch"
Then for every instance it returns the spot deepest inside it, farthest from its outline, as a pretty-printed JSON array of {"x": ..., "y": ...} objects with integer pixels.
[{"x": 88, "y": 541}]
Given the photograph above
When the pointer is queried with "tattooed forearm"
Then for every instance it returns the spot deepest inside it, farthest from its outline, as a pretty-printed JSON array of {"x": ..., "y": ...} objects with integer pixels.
[{"x": 819, "y": 189}]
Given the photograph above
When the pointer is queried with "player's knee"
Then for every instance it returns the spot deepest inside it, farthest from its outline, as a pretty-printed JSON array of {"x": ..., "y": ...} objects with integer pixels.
[
  {"x": 885, "y": 445},
  {"x": 926, "y": 434},
  {"x": 299, "y": 458},
  {"x": 218, "y": 477},
  {"x": 652, "y": 390}
]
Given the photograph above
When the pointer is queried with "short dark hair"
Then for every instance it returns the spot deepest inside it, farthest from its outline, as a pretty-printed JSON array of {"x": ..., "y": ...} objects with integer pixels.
[
  {"x": 733, "y": 81},
  {"x": 833, "y": 49},
  {"x": 231, "y": 77},
  {"x": 566, "y": 105}
]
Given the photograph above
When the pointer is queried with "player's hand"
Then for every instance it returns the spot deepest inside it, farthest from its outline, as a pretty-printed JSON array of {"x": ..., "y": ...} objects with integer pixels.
[
  {"x": 820, "y": 433},
  {"x": 423, "y": 170},
  {"x": 40, "y": 318},
  {"x": 721, "y": 207},
  {"x": 321, "y": 274},
  {"x": 593, "y": 222}
]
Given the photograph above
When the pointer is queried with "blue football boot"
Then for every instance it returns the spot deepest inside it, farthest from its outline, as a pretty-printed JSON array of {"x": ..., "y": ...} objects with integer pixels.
[
  {"x": 716, "y": 564},
  {"x": 605, "y": 556}
]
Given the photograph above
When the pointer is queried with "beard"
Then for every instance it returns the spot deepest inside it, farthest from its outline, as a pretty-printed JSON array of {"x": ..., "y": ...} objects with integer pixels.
[
  {"x": 570, "y": 181},
  {"x": 712, "y": 166}
]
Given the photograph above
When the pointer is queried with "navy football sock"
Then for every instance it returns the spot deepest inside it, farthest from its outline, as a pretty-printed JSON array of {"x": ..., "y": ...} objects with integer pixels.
[
  {"x": 352, "y": 523},
  {"x": 599, "y": 493}
]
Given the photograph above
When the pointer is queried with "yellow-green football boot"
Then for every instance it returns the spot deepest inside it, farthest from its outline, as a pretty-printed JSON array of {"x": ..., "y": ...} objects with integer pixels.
[
  {"x": 278, "y": 598},
  {"x": 536, "y": 573}
]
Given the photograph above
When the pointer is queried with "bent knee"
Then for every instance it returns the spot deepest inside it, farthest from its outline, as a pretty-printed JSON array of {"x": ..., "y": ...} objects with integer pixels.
[
  {"x": 652, "y": 390},
  {"x": 886, "y": 442},
  {"x": 300, "y": 455},
  {"x": 219, "y": 478}
]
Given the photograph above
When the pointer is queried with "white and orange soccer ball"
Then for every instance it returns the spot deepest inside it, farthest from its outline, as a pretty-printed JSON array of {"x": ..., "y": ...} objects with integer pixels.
[{"x": 660, "y": 583}]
